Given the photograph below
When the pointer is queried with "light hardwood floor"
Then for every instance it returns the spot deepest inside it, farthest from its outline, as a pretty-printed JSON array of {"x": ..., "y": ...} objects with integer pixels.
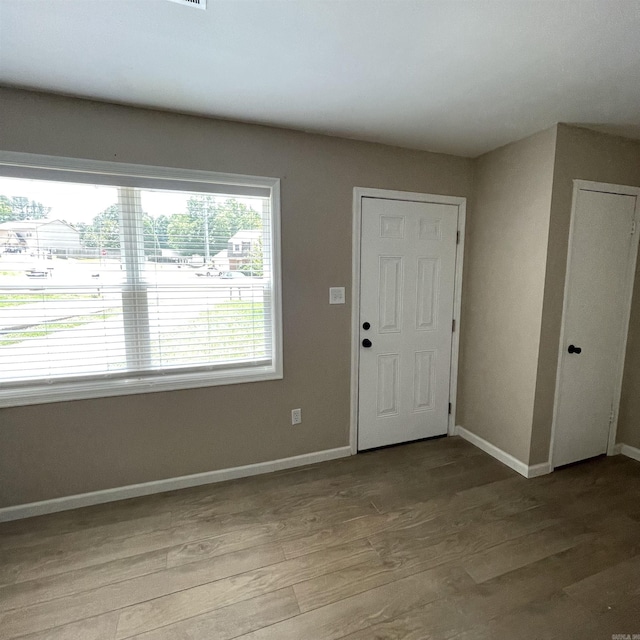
[{"x": 430, "y": 540}]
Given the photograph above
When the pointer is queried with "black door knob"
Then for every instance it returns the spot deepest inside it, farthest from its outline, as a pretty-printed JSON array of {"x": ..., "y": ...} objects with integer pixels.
[
  {"x": 366, "y": 326},
  {"x": 366, "y": 343},
  {"x": 574, "y": 349}
]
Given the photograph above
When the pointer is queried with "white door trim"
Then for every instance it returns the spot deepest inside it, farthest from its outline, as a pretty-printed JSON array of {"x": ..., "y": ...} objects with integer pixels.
[
  {"x": 358, "y": 194},
  {"x": 586, "y": 185}
]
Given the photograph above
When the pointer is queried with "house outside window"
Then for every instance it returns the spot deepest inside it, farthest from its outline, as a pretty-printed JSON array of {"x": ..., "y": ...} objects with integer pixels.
[{"x": 114, "y": 286}]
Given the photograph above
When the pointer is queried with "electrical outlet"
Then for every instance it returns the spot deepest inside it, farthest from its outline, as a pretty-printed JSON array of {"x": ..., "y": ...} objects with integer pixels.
[{"x": 296, "y": 416}]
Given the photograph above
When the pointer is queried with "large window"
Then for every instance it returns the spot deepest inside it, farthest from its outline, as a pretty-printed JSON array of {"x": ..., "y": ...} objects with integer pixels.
[{"x": 118, "y": 279}]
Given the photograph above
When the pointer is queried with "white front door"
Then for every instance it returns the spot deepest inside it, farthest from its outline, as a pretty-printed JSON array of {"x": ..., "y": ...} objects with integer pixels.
[
  {"x": 407, "y": 277},
  {"x": 597, "y": 298}
]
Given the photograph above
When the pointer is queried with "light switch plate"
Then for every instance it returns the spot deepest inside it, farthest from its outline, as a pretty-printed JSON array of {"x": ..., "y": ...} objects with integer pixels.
[{"x": 336, "y": 295}]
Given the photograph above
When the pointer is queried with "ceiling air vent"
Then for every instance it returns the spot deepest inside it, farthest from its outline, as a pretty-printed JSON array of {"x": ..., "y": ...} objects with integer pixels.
[{"x": 199, "y": 4}]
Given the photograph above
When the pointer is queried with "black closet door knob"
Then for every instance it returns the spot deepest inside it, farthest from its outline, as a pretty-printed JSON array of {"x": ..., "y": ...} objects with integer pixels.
[
  {"x": 366, "y": 326},
  {"x": 366, "y": 343},
  {"x": 573, "y": 349}
]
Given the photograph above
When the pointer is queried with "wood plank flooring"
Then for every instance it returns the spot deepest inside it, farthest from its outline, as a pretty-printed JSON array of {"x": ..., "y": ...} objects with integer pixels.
[{"x": 431, "y": 540}]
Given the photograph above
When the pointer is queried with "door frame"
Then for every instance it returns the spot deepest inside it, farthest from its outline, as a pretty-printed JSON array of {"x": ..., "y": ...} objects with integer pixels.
[
  {"x": 600, "y": 187},
  {"x": 364, "y": 192}
]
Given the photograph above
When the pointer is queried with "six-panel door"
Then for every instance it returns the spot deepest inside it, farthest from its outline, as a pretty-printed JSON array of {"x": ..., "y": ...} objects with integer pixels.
[{"x": 407, "y": 274}]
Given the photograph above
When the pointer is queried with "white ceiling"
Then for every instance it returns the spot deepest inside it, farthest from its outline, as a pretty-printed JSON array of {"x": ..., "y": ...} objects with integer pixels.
[{"x": 457, "y": 76}]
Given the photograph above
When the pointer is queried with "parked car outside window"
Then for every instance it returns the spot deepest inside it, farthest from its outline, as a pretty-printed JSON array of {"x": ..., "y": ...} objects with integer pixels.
[{"x": 207, "y": 272}]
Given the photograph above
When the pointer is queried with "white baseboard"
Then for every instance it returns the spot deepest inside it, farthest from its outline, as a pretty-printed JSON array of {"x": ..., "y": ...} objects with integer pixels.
[
  {"x": 616, "y": 450},
  {"x": 630, "y": 452},
  {"x": 169, "y": 484},
  {"x": 542, "y": 469},
  {"x": 528, "y": 471}
]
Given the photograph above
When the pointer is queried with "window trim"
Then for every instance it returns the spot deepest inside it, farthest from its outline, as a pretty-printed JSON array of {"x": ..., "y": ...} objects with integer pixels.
[{"x": 34, "y": 166}]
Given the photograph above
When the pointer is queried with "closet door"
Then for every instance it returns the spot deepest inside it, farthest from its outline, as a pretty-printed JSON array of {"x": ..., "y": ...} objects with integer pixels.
[{"x": 601, "y": 265}]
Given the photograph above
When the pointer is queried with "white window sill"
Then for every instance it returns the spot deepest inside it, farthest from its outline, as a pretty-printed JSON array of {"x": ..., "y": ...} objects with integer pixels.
[{"x": 79, "y": 390}]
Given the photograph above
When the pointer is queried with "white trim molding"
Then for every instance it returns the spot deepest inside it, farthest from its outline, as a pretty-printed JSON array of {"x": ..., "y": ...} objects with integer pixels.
[
  {"x": 616, "y": 451},
  {"x": 542, "y": 469},
  {"x": 528, "y": 471},
  {"x": 364, "y": 192},
  {"x": 629, "y": 451},
  {"x": 169, "y": 484}
]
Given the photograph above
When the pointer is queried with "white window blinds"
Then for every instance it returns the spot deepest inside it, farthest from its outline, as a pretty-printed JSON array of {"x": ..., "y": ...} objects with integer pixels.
[{"x": 126, "y": 283}]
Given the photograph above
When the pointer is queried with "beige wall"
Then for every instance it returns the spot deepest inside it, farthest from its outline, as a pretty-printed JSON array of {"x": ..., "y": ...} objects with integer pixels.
[
  {"x": 517, "y": 231},
  {"x": 585, "y": 155},
  {"x": 66, "y": 448},
  {"x": 503, "y": 292}
]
